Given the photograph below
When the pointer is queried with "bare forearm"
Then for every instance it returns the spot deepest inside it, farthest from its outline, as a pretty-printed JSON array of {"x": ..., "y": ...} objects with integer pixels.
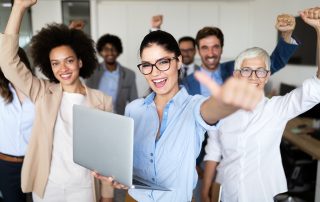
[
  {"x": 212, "y": 110},
  {"x": 209, "y": 175}
]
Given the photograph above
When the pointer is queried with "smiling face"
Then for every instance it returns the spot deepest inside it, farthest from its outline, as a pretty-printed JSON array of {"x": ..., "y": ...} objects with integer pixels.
[
  {"x": 109, "y": 54},
  {"x": 256, "y": 63},
  {"x": 65, "y": 66},
  {"x": 210, "y": 51},
  {"x": 163, "y": 83}
]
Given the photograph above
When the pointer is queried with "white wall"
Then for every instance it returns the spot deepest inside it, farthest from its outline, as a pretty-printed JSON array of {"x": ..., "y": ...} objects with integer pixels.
[
  {"x": 244, "y": 23},
  {"x": 44, "y": 12}
]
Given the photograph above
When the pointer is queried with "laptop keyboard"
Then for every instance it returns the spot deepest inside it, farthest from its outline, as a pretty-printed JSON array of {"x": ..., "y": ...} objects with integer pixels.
[{"x": 136, "y": 182}]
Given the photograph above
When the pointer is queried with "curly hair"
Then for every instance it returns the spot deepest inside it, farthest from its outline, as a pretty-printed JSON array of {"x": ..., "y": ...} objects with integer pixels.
[
  {"x": 54, "y": 35},
  {"x": 111, "y": 39},
  {"x": 5, "y": 92}
]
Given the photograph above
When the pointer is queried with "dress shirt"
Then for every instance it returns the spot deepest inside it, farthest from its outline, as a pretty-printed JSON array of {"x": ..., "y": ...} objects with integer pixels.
[
  {"x": 169, "y": 161},
  {"x": 109, "y": 82},
  {"x": 215, "y": 75},
  {"x": 16, "y": 122},
  {"x": 187, "y": 69},
  {"x": 247, "y": 145}
]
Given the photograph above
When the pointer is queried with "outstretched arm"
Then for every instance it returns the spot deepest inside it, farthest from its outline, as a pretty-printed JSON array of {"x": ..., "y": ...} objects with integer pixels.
[
  {"x": 228, "y": 98},
  {"x": 311, "y": 16}
]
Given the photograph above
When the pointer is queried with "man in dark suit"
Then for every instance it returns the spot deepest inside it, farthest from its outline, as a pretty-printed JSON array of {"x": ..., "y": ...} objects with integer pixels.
[
  {"x": 187, "y": 47},
  {"x": 111, "y": 77},
  {"x": 210, "y": 42}
]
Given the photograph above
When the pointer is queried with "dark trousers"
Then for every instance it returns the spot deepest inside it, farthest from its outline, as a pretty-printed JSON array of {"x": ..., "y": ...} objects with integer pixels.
[{"x": 10, "y": 182}]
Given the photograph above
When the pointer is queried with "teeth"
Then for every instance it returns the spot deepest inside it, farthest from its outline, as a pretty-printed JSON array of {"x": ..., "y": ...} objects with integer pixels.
[
  {"x": 65, "y": 75},
  {"x": 159, "y": 80},
  {"x": 211, "y": 60}
]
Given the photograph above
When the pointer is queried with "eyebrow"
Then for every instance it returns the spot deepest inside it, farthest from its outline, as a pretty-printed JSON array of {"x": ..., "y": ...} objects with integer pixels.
[
  {"x": 63, "y": 58},
  {"x": 166, "y": 57}
]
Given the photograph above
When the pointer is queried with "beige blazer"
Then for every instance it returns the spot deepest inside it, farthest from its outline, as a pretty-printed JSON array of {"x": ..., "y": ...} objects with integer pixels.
[{"x": 47, "y": 97}]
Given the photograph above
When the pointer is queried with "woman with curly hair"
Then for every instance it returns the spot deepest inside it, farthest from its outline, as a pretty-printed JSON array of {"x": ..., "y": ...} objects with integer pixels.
[
  {"x": 63, "y": 55},
  {"x": 16, "y": 119}
]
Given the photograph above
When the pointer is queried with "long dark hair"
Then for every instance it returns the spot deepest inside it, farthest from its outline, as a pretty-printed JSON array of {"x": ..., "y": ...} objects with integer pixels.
[{"x": 5, "y": 92}]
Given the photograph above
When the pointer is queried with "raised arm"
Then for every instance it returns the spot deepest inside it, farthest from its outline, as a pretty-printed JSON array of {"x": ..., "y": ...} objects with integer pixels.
[
  {"x": 226, "y": 99},
  {"x": 156, "y": 22},
  {"x": 311, "y": 16},
  {"x": 15, "y": 19},
  {"x": 280, "y": 56}
]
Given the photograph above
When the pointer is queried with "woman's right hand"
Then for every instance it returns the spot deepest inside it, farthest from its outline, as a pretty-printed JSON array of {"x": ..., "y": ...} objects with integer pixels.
[{"x": 110, "y": 181}]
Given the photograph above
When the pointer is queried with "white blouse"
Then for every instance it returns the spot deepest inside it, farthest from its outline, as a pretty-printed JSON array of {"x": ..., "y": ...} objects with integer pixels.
[
  {"x": 246, "y": 144},
  {"x": 63, "y": 170}
]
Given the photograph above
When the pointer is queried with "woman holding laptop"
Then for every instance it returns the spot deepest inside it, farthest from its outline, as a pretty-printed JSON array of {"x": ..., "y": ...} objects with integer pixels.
[{"x": 170, "y": 124}]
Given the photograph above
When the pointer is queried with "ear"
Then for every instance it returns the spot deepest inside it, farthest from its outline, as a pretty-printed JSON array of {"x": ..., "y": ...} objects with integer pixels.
[
  {"x": 80, "y": 63},
  {"x": 267, "y": 77},
  {"x": 179, "y": 62}
]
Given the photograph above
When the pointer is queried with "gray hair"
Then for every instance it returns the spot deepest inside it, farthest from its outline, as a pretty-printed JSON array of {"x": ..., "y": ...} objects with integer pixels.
[{"x": 252, "y": 53}]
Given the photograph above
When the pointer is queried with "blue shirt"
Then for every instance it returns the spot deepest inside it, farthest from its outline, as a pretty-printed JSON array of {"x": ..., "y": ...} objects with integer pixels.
[
  {"x": 215, "y": 75},
  {"x": 109, "y": 83},
  {"x": 171, "y": 160},
  {"x": 16, "y": 122}
]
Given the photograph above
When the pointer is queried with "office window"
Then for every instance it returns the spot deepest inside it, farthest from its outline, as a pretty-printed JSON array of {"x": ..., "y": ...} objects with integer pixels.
[
  {"x": 26, "y": 27},
  {"x": 76, "y": 10}
]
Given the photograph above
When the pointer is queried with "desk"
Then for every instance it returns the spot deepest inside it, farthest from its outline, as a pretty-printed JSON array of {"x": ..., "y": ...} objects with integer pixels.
[{"x": 306, "y": 143}]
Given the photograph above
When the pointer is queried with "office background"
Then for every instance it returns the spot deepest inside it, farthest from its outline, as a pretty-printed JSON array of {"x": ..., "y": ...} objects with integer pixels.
[{"x": 245, "y": 23}]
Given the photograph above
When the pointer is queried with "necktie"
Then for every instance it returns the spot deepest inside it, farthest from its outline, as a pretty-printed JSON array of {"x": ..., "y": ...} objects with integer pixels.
[{"x": 185, "y": 71}]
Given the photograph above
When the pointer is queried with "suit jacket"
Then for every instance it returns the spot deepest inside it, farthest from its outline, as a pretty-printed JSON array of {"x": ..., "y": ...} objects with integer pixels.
[
  {"x": 279, "y": 58},
  {"x": 127, "y": 88},
  {"x": 47, "y": 97}
]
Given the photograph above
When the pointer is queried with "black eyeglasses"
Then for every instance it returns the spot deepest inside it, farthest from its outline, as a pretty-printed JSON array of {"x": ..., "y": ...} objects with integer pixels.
[
  {"x": 260, "y": 72},
  {"x": 161, "y": 64}
]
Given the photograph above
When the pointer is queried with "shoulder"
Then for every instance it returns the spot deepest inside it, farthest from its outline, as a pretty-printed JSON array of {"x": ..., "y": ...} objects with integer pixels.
[
  {"x": 228, "y": 64},
  {"x": 127, "y": 71},
  {"x": 99, "y": 98}
]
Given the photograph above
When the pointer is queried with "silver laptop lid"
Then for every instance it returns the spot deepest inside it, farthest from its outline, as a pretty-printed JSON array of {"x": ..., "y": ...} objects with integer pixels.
[{"x": 103, "y": 141}]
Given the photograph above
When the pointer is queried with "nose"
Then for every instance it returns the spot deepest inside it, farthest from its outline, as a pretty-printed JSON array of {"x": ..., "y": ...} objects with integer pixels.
[
  {"x": 63, "y": 66},
  {"x": 253, "y": 75},
  {"x": 211, "y": 52}
]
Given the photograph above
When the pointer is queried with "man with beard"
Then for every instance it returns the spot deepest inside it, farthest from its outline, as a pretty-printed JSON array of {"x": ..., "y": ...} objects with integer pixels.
[
  {"x": 111, "y": 77},
  {"x": 210, "y": 41}
]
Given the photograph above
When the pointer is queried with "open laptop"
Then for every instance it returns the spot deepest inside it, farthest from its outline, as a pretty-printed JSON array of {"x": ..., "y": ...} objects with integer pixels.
[{"x": 103, "y": 142}]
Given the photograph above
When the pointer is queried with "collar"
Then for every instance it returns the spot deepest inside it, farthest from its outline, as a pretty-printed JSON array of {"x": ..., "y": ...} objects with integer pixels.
[
  {"x": 177, "y": 99},
  {"x": 118, "y": 66}
]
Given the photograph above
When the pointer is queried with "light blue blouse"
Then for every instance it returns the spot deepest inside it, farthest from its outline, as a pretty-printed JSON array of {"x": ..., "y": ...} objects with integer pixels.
[
  {"x": 16, "y": 122},
  {"x": 171, "y": 160}
]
